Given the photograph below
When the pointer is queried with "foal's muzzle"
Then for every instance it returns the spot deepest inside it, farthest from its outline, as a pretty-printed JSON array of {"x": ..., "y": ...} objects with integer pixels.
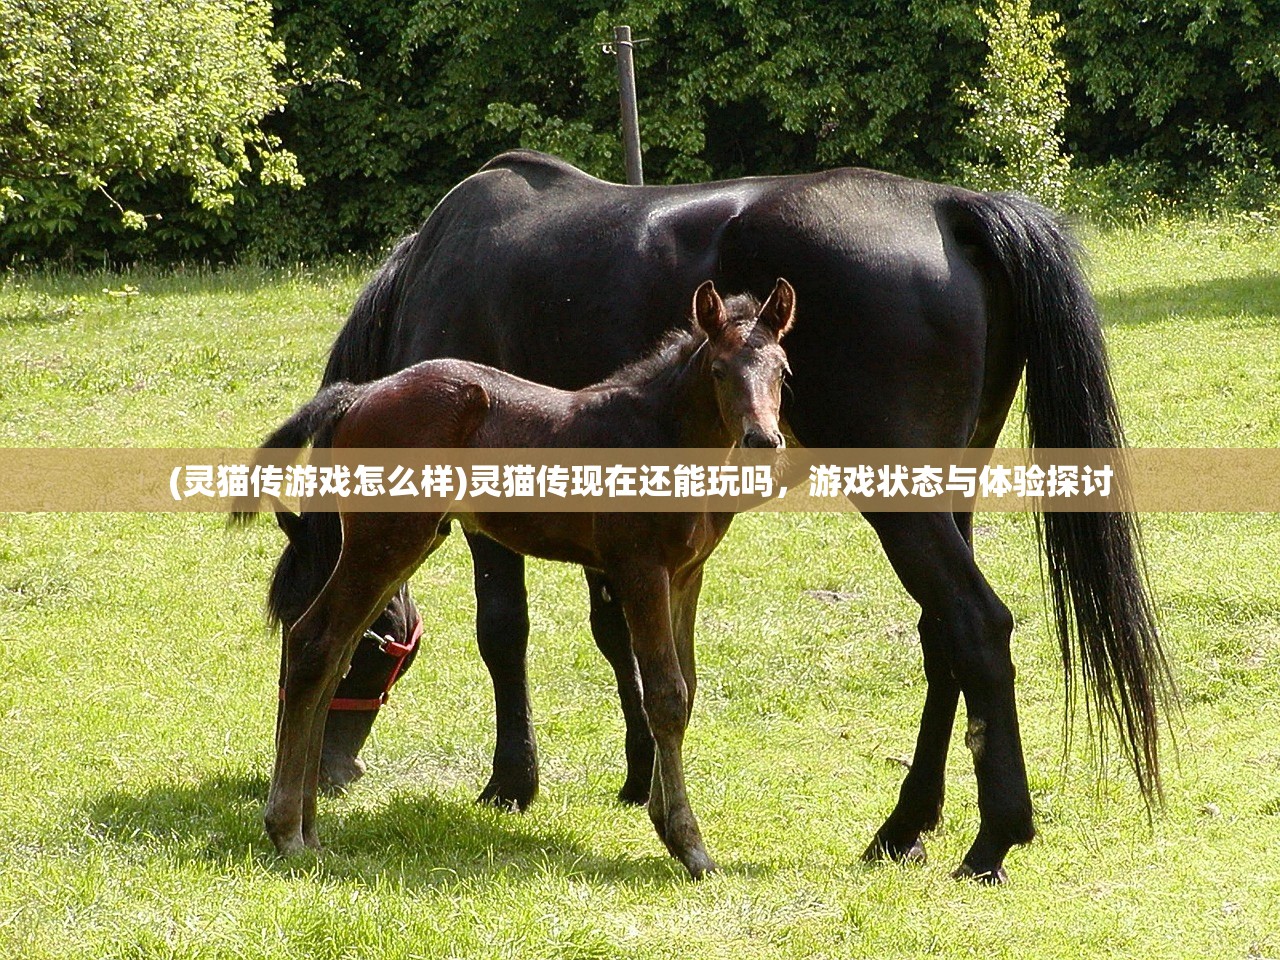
[{"x": 757, "y": 440}]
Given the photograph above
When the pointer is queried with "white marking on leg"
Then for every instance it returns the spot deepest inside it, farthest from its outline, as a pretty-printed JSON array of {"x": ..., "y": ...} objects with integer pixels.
[{"x": 975, "y": 737}]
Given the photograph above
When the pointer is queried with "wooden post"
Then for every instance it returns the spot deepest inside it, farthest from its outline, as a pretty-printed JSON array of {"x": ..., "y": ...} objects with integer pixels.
[{"x": 627, "y": 100}]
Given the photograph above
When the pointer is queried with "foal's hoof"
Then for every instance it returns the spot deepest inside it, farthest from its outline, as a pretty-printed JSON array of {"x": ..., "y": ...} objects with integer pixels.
[
  {"x": 991, "y": 878},
  {"x": 338, "y": 771},
  {"x": 699, "y": 864},
  {"x": 881, "y": 850},
  {"x": 288, "y": 845}
]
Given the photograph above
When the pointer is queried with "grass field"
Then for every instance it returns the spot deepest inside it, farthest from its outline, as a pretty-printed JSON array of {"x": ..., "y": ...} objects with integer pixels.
[{"x": 137, "y": 698}]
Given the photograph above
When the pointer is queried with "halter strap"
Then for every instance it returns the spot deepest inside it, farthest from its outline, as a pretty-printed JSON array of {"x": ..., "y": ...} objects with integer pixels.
[{"x": 392, "y": 648}]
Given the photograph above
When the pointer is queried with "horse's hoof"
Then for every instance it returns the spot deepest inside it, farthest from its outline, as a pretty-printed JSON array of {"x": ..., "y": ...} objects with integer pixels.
[
  {"x": 882, "y": 850},
  {"x": 288, "y": 846},
  {"x": 634, "y": 794},
  {"x": 513, "y": 797},
  {"x": 991, "y": 878},
  {"x": 338, "y": 772}
]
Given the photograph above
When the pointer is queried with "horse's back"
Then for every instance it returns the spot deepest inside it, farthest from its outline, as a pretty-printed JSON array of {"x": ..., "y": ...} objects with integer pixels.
[{"x": 533, "y": 266}]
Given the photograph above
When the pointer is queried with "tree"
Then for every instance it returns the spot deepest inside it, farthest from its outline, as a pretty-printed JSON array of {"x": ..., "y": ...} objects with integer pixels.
[
  {"x": 92, "y": 90},
  {"x": 1178, "y": 96},
  {"x": 1014, "y": 133}
]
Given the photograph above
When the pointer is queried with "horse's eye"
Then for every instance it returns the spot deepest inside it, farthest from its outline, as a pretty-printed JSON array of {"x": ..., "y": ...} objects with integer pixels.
[{"x": 717, "y": 370}]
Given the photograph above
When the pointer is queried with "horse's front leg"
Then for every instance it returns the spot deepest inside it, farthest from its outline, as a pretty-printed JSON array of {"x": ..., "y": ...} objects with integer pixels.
[
  {"x": 646, "y": 601},
  {"x": 502, "y": 633},
  {"x": 684, "y": 614},
  {"x": 609, "y": 628}
]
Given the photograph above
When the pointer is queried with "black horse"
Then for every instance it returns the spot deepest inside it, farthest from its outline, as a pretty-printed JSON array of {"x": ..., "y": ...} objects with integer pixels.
[{"x": 921, "y": 306}]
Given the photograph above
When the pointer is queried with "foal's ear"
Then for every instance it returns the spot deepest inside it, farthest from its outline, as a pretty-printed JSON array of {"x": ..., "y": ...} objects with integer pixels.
[
  {"x": 779, "y": 311},
  {"x": 708, "y": 310}
]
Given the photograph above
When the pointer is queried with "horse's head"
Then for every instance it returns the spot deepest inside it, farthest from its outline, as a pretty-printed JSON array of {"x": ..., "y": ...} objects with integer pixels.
[{"x": 746, "y": 359}]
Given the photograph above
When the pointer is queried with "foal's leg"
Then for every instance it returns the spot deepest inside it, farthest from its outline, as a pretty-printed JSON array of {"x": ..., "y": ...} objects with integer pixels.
[
  {"x": 502, "y": 632},
  {"x": 317, "y": 648},
  {"x": 609, "y": 628},
  {"x": 684, "y": 611},
  {"x": 964, "y": 633},
  {"x": 684, "y": 614},
  {"x": 379, "y": 552},
  {"x": 646, "y": 600}
]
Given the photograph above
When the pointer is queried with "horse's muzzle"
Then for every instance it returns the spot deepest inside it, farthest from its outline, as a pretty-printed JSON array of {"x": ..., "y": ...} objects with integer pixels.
[{"x": 756, "y": 440}]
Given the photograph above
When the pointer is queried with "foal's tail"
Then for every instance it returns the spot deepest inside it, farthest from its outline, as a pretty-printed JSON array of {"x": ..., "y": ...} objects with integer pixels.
[
  {"x": 314, "y": 419},
  {"x": 1097, "y": 577}
]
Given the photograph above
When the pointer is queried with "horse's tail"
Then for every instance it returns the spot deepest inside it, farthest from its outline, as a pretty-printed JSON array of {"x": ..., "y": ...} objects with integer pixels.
[
  {"x": 1096, "y": 574},
  {"x": 313, "y": 421},
  {"x": 359, "y": 354}
]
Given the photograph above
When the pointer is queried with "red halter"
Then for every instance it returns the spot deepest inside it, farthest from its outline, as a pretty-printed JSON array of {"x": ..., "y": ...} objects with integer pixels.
[{"x": 392, "y": 648}]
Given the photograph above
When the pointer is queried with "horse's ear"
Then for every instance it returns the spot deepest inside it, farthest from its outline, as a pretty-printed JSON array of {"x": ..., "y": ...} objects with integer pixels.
[
  {"x": 779, "y": 311},
  {"x": 708, "y": 310},
  {"x": 290, "y": 523}
]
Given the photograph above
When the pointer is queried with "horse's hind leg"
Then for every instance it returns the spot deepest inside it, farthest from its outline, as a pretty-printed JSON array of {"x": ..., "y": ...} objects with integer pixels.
[
  {"x": 502, "y": 632},
  {"x": 609, "y": 628},
  {"x": 316, "y": 648},
  {"x": 964, "y": 633},
  {"x": 919, "y": 807}
]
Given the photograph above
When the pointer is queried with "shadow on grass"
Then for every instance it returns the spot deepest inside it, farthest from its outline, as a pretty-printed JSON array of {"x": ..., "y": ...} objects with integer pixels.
[
  {"x": 411, "y": 841},
  {"x": 1255, "y": 295}
]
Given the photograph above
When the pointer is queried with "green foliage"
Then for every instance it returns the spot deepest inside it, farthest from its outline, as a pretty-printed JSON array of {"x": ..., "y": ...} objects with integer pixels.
[
  {"x": 723, "y": 88},
  {"x": 95, "y": 90},
  {"x": 388, "y": 104},
  {"x": 1189, "y": 91},
  {"x": 1239, "y": 173},
  {"x": 398, "y": 101},
  {"x": 1014, "y": 133}
]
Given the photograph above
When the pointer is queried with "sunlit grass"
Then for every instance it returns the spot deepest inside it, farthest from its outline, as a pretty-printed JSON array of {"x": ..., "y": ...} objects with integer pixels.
[{"x": 137, "y": 700}]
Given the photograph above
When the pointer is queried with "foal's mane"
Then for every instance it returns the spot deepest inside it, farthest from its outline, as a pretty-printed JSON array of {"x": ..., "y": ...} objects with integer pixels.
[{"x": 667, "y": 360}]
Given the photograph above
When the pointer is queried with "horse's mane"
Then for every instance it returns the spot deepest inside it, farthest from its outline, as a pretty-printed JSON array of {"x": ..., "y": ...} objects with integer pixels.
[
  {"x": 667, "y": 359},
  {"x": 358, "y": 354}
]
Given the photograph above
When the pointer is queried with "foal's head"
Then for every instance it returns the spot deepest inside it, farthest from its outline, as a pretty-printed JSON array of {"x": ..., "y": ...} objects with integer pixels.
[{"x": 746, "y": 360}]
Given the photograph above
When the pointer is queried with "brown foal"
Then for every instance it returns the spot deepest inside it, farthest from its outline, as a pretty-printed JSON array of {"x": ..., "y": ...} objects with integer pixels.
[{"x": 717, "y": 384}]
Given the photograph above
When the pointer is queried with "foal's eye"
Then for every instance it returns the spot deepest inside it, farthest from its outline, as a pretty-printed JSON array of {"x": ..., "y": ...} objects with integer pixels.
[{"x": 717, "y": 370}]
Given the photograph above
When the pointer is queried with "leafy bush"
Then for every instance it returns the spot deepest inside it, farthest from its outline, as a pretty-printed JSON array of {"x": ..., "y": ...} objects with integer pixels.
[
  {"x": 95, "y": 90},
  {"x": 388, "y": 103},
  {"x": 1187, "y": 91}
]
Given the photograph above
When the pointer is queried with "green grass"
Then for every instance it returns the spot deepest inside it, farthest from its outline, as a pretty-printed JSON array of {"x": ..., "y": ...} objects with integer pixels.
[{"x": 137, "y": 701}]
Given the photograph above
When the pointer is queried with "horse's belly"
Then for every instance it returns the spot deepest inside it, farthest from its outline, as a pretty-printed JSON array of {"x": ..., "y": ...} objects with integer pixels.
[{"x": 567, "y": 537}]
